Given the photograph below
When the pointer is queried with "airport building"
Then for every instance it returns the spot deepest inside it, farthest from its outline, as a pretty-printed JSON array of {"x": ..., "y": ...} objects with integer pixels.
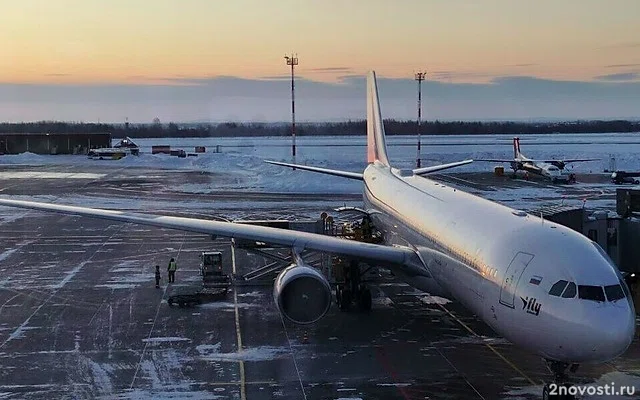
[{"x": 52, "y": 143}]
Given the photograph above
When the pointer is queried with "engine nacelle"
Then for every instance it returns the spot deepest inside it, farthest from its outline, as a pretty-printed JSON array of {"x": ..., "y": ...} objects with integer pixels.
[{"x": 302, "y": 294}]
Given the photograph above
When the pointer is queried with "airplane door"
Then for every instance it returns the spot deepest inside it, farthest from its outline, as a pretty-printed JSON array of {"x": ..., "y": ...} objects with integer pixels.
[{"x": 512, "y": 277}]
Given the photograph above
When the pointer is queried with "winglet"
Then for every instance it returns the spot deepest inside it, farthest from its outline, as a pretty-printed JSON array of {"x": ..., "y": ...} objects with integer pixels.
[{"x": 376, "y": 146}]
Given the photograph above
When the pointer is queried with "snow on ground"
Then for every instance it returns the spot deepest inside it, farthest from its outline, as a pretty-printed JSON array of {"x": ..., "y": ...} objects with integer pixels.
[
  {"x": 241, "y": 159},
  {"x": 434, "y": 300},
  {"x": 140, "y": 394},
  {"x": 229, "y": 306},
  {"x": 251, "y": 294},
  {"x": 261, "y": 353},
  {"x": 166, "y": 339},
  {"x": 6, "y": 254},
  {"x": 128, "y": 274},
  {"x": 48, "y": 175}
]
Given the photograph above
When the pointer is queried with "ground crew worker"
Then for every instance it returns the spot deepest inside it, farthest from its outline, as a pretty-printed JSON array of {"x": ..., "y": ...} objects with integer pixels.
[
  {"x": 173, "y": 266},
  {"x": 158, "y": 276}
]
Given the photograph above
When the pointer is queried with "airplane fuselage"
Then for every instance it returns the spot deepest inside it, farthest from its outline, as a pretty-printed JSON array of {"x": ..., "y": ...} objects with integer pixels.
[
  {"x": 501, "y": 264},
  {"x": 548, "y": 170}
]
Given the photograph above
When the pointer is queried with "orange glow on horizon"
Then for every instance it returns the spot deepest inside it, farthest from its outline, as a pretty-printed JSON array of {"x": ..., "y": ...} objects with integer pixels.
[{"x": 149, "y": 42}]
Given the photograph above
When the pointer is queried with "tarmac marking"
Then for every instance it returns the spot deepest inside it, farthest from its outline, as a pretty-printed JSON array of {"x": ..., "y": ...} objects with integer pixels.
[
  {"x": 488, "y": 345},
  {"x": 153, "y": 324},
  {"x": 459, "y": 373},
  {"x": 16, "y": 333},
  {"x": 293, "y": 355},
  {"x": 382, "y": 355},
  {"x": 243, "y": 388},
  {"x": 5, "y": 303}
]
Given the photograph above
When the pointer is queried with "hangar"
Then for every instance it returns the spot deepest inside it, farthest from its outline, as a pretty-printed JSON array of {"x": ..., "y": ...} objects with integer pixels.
[{"x": 52, "y": 143}]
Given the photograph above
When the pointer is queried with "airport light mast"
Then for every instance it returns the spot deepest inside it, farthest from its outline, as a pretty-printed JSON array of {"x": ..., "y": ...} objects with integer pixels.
[
  {"x": 293, "y": 61},
  {"x": 419, "y": 77}
]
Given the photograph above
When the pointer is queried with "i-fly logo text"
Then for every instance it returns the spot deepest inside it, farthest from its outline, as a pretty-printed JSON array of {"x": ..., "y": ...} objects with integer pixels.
[{"x": 531, "y": 305}]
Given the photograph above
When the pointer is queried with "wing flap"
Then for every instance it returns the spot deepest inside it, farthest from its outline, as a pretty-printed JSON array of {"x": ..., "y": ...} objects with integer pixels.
[{"x": 567, "y": 161}]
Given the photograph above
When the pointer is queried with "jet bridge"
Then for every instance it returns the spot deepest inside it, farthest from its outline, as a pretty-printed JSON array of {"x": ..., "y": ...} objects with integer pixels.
[{"x": 616, "y": 232}]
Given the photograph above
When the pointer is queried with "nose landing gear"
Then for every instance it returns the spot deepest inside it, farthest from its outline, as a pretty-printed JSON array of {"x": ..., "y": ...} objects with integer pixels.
[{"x": 560, "y": 388}]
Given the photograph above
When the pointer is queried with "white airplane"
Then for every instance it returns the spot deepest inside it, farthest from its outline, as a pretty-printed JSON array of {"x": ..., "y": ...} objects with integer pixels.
[
  {"x": 544, "y": 287},
  {"x": 551, "y": 169}
]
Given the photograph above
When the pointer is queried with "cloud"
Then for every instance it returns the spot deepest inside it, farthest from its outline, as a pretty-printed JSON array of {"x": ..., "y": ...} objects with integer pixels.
[
  {"x": 524, "y": 65},
  {"x": 55, "y": 75},
  {"x": 622, "y": 65},
  {"x": 623, "y": 76},
  {"x": 332, "y": 70},
  {"x": 459, "y": 75},
  {"x": 281, "y": 77},
  {"x": 225, "y": 98}
]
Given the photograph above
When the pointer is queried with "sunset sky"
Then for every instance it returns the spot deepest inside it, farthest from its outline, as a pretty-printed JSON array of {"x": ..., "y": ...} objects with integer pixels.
[{"x": 83, "y": 47}]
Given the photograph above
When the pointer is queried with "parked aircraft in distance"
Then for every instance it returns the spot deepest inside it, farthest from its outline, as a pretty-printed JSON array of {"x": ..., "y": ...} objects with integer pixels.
[
  {"x": 551, "y": 169},
  {"x": 545, "y": 287}
]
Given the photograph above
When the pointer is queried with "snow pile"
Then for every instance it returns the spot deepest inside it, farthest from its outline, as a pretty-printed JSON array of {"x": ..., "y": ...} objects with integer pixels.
[
  {"x": 261, "y": 353},
  {"x": 153, "y": 340},
  {"x": 434, "y": 300},
  {"x": 240, "y": 164}
]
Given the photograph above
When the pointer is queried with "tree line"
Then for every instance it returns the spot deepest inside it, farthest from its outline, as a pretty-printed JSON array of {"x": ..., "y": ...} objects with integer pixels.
[{"x": 347, "y": 128}]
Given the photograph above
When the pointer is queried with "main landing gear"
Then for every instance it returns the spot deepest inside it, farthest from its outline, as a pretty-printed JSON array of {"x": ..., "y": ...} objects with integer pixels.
[
  {"x": 560, "y": 380},
  {"x": 353, "y": 290}
]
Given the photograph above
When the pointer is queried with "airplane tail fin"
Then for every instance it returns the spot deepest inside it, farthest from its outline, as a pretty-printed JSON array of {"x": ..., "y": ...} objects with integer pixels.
[
  {"x": 376, "y": 145},
  {"x": 516, "y": 148}
]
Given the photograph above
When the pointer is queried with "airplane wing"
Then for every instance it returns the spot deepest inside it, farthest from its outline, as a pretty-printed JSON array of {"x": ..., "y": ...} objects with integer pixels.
[
  {"x": 436, "y": 168},
  {"x": 567, "y": 161},
  {"x": 335, "y": 172},
  {"x": 388, "y": 256},
  {"x": 496, "y": 160},
  {"x": 355, "y": 175}
]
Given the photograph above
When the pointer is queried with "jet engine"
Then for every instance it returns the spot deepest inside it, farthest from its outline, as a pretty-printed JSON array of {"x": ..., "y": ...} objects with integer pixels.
[{"x": 302, "y": 294}]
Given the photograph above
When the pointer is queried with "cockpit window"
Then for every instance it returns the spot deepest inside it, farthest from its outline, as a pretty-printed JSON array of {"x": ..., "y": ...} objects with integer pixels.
[
  {"x": 614, "y": 292},
  {"x": 593, "y": 293},
  {"x": 557, "y": 288},
  {"x": 570, "y": 291}
]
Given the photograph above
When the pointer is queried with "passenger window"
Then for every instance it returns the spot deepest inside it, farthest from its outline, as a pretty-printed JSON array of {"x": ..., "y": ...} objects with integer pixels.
[
  {"x": 594, "y": 293},
  {"x": 557, "y": 288},
  {"x": 614, "y": 292},
  {"x": 570, "y": 291}
]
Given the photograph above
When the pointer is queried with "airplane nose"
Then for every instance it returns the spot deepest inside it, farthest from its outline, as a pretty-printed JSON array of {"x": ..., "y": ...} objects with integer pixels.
[{"x": 614, "y": 332}]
